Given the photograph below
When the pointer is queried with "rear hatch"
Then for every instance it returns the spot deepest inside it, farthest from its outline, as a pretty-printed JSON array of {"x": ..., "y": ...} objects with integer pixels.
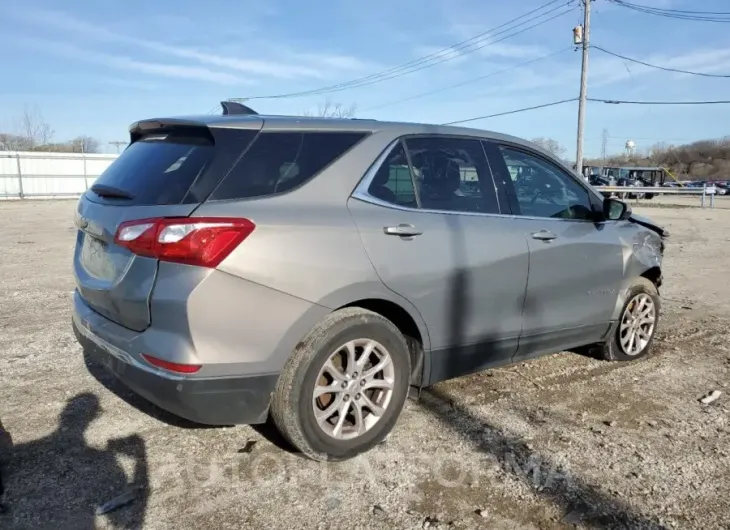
[{"x": 168, "y": 170}]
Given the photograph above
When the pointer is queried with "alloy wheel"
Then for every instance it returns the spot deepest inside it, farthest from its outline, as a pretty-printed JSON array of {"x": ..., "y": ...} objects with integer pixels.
[
  {"x": 637, "y": 324},
  {"x": 354, "y": 388}
]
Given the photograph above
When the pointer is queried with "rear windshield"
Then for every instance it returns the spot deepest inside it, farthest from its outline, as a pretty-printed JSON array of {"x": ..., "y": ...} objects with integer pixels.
[
  {"x": 280, "y": 161},
  {"x": 171, "y": 167}
]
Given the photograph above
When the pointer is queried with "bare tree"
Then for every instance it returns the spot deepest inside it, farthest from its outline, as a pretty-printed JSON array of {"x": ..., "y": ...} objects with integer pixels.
[
  {"x": 34, "y": 129},
  {"x": 550, "y": 145},
  {"x": 12, "y": 142},
  {"x": 84, "y": 144},
  {"x": 35, "y": 134},
  {"x": 329, "y": 109}
]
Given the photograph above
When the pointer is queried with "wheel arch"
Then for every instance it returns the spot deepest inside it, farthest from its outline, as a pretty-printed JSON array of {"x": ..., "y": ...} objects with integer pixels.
[
  {"x": 375, "y": 297},
  {"x": 654, "y": 275},
  {"x": 408, "y": 326}
]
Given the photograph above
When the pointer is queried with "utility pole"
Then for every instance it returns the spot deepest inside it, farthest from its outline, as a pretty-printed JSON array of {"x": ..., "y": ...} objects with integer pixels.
[
  {"x": 117, "y": 144},
  {"x": 604, "y": 145},
  {"x": 583, "y": 84}
]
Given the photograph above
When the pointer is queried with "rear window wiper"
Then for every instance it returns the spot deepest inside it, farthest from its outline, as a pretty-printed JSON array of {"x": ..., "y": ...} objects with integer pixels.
[{"x": 111, "y": 191}]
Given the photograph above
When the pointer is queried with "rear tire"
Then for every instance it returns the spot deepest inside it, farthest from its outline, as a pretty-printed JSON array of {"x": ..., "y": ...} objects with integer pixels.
[
  {"x": 639, "y": 316},
  {"x": 371, "y": 399}
]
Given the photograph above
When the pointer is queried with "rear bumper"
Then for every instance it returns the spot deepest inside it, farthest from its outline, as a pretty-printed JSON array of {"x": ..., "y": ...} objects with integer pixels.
[{"x": 211, "y": 401}]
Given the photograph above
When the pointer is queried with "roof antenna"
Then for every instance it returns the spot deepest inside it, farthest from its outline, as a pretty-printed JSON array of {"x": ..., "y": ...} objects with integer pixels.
[{"x": 233, "y": 107}]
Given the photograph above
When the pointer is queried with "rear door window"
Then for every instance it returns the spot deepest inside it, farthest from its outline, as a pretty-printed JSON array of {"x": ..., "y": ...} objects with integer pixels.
[
  {"x": 452, "y": 174},
  {"x": 162, "y": 168},
  {"x": 280, "y": 161}
]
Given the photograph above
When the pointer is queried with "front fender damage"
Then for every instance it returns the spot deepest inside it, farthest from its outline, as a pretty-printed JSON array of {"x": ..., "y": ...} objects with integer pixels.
[{"x": 643, "y": 256}]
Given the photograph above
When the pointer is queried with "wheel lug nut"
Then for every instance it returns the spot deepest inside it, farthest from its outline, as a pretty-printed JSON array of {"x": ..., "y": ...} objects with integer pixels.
[
  {"x": 362, "y": 382},
  {"x": 354, "y": 374},
  {"x": 347, "y": 397},
  {"x": 357, "y": 396}
]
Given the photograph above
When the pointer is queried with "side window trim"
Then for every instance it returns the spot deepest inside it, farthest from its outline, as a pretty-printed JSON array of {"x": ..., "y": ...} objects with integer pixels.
[
  {"x": 509, "y": 205},
  {"x": 416, "y": 189},
  {"x": 361, "y": 190}
]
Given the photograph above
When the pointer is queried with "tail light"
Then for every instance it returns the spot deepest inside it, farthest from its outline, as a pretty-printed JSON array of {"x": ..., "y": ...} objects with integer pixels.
[
  {"x": 199, "y": 241},
  {"x": 172, "y": 367}
]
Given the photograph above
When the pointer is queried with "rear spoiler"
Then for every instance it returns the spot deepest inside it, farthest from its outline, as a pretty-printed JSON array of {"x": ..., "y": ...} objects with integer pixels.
[{"x": 143, "y": 127}]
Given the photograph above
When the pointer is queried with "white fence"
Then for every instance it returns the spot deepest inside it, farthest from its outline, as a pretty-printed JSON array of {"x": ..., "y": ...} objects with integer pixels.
[{"x": 48, "y": 175}]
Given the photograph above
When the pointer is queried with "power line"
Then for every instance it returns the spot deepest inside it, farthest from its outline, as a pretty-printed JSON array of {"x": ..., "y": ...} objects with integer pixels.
[
  {"x": 457, "y": 50},
  {"x": 551, "y": 104},
  {"x": 628, "y": 102},
  {"x": 672, "y": 10},
  {"x": 665, "y": 68},
  {"x": 594, "y": 100},
  {"x": 400, "y": 71},
  {"x": 701, "y": 16},
  {"x": 468, "y": 81},
  {"x": 118, "y": 144}
]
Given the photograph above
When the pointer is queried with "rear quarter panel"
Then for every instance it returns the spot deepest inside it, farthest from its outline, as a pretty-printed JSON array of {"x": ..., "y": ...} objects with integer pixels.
[{"x": 308, "y": 258}]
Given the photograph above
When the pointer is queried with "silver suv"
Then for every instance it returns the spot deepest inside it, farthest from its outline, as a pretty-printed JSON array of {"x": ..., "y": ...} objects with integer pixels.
[{"x": 233, "y": 267}]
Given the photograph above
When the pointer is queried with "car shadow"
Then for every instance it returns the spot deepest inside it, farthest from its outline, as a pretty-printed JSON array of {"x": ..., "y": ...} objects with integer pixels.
[
  {"x": 118, "y": 388},
  {"x": 267, "y": 430},
  {"x": 58, "y": 481},
  {"x": 271, "y": 433},
  {"x": 548, "y": 478}
]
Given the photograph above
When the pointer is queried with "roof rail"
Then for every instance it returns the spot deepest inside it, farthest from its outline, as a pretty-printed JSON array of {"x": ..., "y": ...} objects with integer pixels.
[{"x": 233, "y": 107}]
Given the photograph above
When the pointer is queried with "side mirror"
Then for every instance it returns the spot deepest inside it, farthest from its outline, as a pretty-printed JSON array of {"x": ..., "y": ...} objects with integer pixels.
[{"x": 615, "y": 210}]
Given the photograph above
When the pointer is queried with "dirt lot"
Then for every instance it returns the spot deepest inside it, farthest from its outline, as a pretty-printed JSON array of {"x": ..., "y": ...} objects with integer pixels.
[{"x": 551, "y": 443}]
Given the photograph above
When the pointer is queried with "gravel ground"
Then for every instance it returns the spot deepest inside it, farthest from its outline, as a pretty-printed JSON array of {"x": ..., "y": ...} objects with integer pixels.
[{"x": 556, "y": 442}]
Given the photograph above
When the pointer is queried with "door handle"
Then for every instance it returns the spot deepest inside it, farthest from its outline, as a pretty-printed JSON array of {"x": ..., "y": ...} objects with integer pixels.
[
  {"x": 402, "y": 230},
  {"x": 544, "y": 235}
]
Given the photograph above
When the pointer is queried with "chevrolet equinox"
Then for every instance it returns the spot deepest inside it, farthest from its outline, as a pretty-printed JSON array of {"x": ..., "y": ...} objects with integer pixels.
[{"x": 239, "y": 267}]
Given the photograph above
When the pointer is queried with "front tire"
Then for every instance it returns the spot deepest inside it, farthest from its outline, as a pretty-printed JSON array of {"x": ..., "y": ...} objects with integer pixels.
[
  {"x": 343, "y": 388},
  {"x": 633, "y": 334}
]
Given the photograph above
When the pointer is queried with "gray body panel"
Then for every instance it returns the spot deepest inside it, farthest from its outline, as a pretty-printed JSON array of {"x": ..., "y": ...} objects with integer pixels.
[
  {"x": 112, "y": 280},
  {"x": 466, "y": 275},
  {"x": 229, "y": 325},
  {"x": 573, "y": 285},
  {"x": 480, "y": 290}
]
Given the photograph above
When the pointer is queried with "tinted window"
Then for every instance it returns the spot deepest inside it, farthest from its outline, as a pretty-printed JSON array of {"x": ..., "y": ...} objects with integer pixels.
[
  {"x": 160, "y": 168},
  {"x": 452, "y": 174},
  {"x": 544, "y": 190},
  {"x": 393, "y": 183},
  {"x": 279, "y": 161}
]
